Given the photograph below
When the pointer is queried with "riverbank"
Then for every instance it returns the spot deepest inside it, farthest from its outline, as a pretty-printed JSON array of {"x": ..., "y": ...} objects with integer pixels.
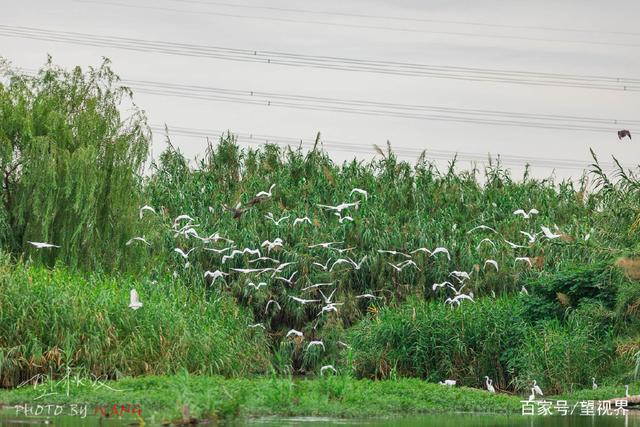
[{"x": 173, "y": 398}]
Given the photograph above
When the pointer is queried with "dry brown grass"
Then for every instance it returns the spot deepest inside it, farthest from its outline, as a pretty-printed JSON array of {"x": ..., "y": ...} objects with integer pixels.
[{"x": 630, "y": 266}]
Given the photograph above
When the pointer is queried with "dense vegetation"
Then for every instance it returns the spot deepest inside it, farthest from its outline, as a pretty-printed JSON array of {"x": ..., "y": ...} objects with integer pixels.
[{"x": 571, "y": 314}]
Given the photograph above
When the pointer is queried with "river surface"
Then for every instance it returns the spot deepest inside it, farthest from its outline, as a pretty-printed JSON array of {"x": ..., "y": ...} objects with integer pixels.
[{"x": 9, "y": 419}]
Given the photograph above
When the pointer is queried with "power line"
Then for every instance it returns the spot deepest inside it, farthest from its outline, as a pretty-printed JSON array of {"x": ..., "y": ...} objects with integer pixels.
[
  {"x": 406, "y": 18},
  {"x": 447, "y": 155},
  {"x": 328, "y": 62},
  {"x": 362, "y": 26}
]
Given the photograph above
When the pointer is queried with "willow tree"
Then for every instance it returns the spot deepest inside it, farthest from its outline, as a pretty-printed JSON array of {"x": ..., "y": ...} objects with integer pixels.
[{"x": 71, "y": 163}]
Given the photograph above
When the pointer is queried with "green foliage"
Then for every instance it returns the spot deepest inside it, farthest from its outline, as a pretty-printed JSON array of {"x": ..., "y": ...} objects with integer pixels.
[
  {"x": 51, "y": 320},
  {"x": 70, "y": 164}
]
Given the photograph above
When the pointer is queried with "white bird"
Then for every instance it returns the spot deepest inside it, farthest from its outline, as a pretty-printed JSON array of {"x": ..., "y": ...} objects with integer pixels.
[
  {"x": 380, "y": 251},
  {"x": 485, "y": 241},
  {"x": 340, "y": 207},
  {"x": 425, "y": 250},
  {"x": 594, "y": 385},
  {"x": 532, "y": 396},
  {"x": 456, "y": 300},
  {"x": 482, "y": 227},
  {"x": 326, "y": 245},
  {"x": 281, "y": 268},
  {"x": 146, "y": 208},
  {"x": 524, "y": 291},
  {"x": 371, "y": 296},
  {"x": 523, "y": 259},
  {"x": 401, "y": 266},
  {"x": 294, "y": 332},
  {"x": 276, "y": 222},
  {"x": 536, "y": 388},
  {"x": 348, "y": 260},
  {"x": 489, "y": 384},
  {"x": 360, "y": 191},
  {"x": 215, "y": 275},
  {"x": 316, "y": 343},
  {"x": 264, "y": 258},
  {"x": 526, "y": 215},
  {"x": 277, "y": 243},
  {"x": 342, "y": 219},
  {"x": 216, "y": 236},
  {"x": 327, "y": 300},
  {"x": 441, "y": 250},
  {"x": 301, "y": 220},
  {"x": 247, "y": 251},
  {"x": 329, "y": 307},
  {"x": 626, "y": 391},
  {"x": 256, "y": 287},
  {"x": 180, "y": 218},
  {"x": 251, "y": 270},
  {"x": 134, "y": 300},
  {"x": 42, "y": 245},
  {"x": 218, "y": 251},
  {"x": 288, "y": 281},
  {"x": 341, "y": 251},
  {"x": 514, "y": 246},
  {"x": 182, "y": 253},
  {"x": 531, "y": 237},
  {"x": 302, "y": 300},
  {"x": 441, "y": 285},
  {"x": 549, "y": 234},
  {"x": 461, "y": 276},
  {"x": 492, "y": 262},
  {"x": 271, "y": 301},
  {"x": 316, "y": 286},
  {"x": 324, "y": 368},
  {"x": 323, "y": 266},
  {"x": 345, "y": 345},
  {"x": 448, "y": 383},
  {"x": 138, "y": 239},
  {"x": 266, "y": 193},
  {"x": 257, "y": 325}
]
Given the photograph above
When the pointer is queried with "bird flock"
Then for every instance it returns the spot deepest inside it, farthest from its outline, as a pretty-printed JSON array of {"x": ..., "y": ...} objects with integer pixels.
[{"x": 263, "y": 268}]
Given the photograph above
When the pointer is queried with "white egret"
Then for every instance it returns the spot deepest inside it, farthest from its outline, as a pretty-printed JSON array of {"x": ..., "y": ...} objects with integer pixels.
[
  {"x": 302, "y": 300},
  {"x": 290, "y": 280},
  {"x": 441, "y": 250},
  {"x": 380, "y": 251},
  {"x": 301, "y": 220},
  {"x": 218, "y": 251},
  {"x": 264, "y": 258},
  {"x": 266, "y": 193},
  {"x": 523, "y": 259},
  {"x": 448, "y": 383},
  {"x": 487, "y": 240},
  {"x": 215, "y": 274},
  {"x": 456, "y": 300},
  {"x": 42, "y": 245},
  {"x": 626, "y": 390},
  {"x": 146, "y": 208},
  {"x": 526, "y": 215},
  {"x": 256, "y": 287},
  {"x": 492, "y": 262},
  {"x": 324, "y": 368},
  {"x": 461, "y": 276},
  {"x": 269, "y": 216},
  {"x": 482, "y": 227},
  {"x": 134, "y": 300},
  {"x": 341, "y": 251},
  {"x": 537, "y": 388},
  {"x": 345, "y": 345},
  {"x": 294, "y": 332},
  {"x": 342, "y": 219},
  {"x": 323, "y": 266},
  {"x": 251, "y": 270},
  {"x": 316, "y": 286},
  {"x": 327, "y": 300},
  {"x": 360, "y": 191},
  {"x": 216, "y": 236},
  {"x": 257, "y": 325},
  {"x": 514, "y": 246},
  {"x": 441, "y": 285},
  {"x": 549, "y": 234},
  {"x": 524, "y": 291},
  {"x": 182, "y": 253},
  {"x": 271, "y": 301},
  {"x": 181, "y": 218},
  {"x": 593, "y": 383},
  {"x": 325, "y": 245},
  {"x": 531, "y": 237},
  {"x": 281, "y": 268},
  {"x": 425, "y": 250},
  {"x": 316, "y": 343},
  {"x": 340, "y": 207},
  {"x": 532, "y": 396},
  {"x": 370, "y": 296},
  {"x": 489, "y": 384},
  {"x": 277, "y": 243},
  {"x": 138, "y": 239},
  {"x": 401, "y": 266},
  {"x": 329, "y": 307}
]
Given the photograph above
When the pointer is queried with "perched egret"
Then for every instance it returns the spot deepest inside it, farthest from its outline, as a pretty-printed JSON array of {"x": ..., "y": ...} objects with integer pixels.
[
  {"x": 489, "y": 384},
  {"x": 536, "y": 388},
  {"x": 134, "y": 300},
  {"x": 532, "y": 396},
  {"x": 448, "y": 383},
  {"x": 626, "y": 391},
  {"x": 593, "y": 383}
]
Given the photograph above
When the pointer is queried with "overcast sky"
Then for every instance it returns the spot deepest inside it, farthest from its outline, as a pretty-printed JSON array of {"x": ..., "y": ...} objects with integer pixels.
[{"x": 585, "y": 37}]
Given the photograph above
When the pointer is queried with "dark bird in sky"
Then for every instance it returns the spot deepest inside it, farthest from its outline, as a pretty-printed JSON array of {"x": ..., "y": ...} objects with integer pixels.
[{"x": 624, "y": 132}]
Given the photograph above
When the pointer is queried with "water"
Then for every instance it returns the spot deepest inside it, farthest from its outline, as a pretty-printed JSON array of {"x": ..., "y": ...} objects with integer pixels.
[{"x": 9, "y": 419}]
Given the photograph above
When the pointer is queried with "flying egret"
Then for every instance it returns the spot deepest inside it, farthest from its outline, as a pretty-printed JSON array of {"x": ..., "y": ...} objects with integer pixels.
[
  {"x": 181, "y": 218},
  {"x": 456, "y": 300},
  {"x": 340, "y": 207},
  {"x": 146, "y": 208},
  {"x": 264, "y": 258},
  {"x": 482, "y": 227},
  {"x": 328, "y": 308},
  {"x": 526, "y": 215},
  {"x": 294, "y": 332},
  {"x": 138, "y": 239},
  {"x": 281, "y": 268},
  {"x": 489, "y": 384},
  {"x": 594, "y": 385},
  {"x": 523, "y": 259},
  {"x": 425, "y": 250},
  {"x": 302, "y": 300},
  {"x": 441, "y": 250},
  {"x": 513, "y": 245},
  {"x": 327, "y": 300},
  {"x": 531, "y": 237},
  {"x": 325, "y": 245},
  {"x": 341, "y": 251},
  {"x": 266, "y": 193},
  {"x": 182, "y": 253},
  {"x": 290, "y": 281},
  {"x": 381, "y": 251},
  {"x": 401, "y": 266},
  {"x": 323, "y": 266},
  {"x": 461, "y": 276},
  {"x": 215, "y": 275},
  {"x": 218, "y": 251},
  {"x": 316, "y": 343},
  {"x": 251, "y": 270},
  {"x": 257, "y": 325},
  {"x": 42, "y": 245},
  {"x": 301, "y": 220},
  {"x": 216, "y": 236},
  {"x": 270, "y": 217},
  {"x": 271, "y": 301},
  {"x": 492, "y": 262},
  {"x": 316, "y": 286},
  {"x": 277, "y": 243},
  {"x": 359, "y": 191},
  {"x": 134, "y": 300},
  {"x": 440, "y": 285},
  {"x": 549, "y": 234},
  {"x": 324, "y": 368},
  {"x": 536, "y": 388},
  {"x": 486, "y": 240},
  {"x": 370, "y": 296},
  {"x": 342, "y": 219},
  {"x": 448, "y": 383},
  {"x": 256, "y": 287}
]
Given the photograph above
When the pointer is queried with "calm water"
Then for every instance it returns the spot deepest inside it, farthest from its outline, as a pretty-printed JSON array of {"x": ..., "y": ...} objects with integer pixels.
[{"x": 8, "y": 419}]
